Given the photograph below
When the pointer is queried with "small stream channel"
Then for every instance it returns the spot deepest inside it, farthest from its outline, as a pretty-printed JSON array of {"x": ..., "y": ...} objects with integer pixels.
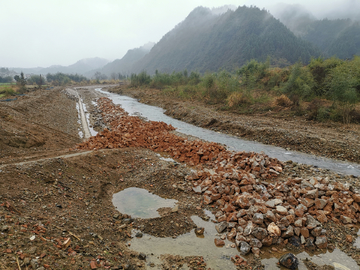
[
  {"x": 191, "y": 245},
  {"x": 133, "y": 107}
]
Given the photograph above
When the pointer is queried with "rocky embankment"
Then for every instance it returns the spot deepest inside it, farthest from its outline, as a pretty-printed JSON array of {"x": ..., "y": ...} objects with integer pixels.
[{"x": 252, "y": 210}]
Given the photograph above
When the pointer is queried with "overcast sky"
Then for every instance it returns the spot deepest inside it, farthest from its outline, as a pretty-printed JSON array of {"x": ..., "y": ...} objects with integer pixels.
[{"x": 61, "y": 32}]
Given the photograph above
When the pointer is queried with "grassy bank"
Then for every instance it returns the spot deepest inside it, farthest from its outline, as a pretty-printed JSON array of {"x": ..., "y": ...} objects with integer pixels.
[{"x": 324, "y": 90}]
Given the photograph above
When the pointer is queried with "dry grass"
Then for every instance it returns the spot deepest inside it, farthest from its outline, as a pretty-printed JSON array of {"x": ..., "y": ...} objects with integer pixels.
[
  {"x": 237, "y": 99},
  {"x": 283, "y": 101}
]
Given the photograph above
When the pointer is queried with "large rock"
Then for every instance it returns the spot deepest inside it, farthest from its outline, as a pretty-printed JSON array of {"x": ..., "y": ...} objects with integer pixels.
[
  {"x": 289, "y": 261},
  {"x": 259, "y": 233},
  {"x": 320, "y": 203},
  {"x": 305, "y": 232},
  {"x": 321, "y": 242},
  {"x": 345, "y": 220},
  {"x": 316, "y": 231},
  {"x": 244, "y": 248},
  {"x": 245, "y": 200},
  {"x": 312, "y": 194},
  {"x": 249, "y": 228},
  {"x": 258, "y": 218},
  {"x": 270, "y": 216},
  {"x": 267, "y": 241},
  {"x": 289, "y": 232},
  {"x": 219, "y": 242},
  {"x": 281, "y": 210},
  {"x": 300, "y": 210},
  {"x": 273, "y": 229},
  {"x": 311, "y": 222},
  {"x": 309, "y": 243},
  {"x": 298, "y": 223},
  {"x": 254, "y": 242},
  {"x": 356, "y": 197},
  {"x": 221, "y": 227}
]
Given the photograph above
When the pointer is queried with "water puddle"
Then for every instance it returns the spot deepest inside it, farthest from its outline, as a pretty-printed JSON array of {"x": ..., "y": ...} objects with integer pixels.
[
  {"x": 336, "y": 258},
  {"x": 188, "y": 245},
  {"x": 133, "y": 107},
  {"x": 140, "y": 203},
  {"x": 220, "y": 257}
]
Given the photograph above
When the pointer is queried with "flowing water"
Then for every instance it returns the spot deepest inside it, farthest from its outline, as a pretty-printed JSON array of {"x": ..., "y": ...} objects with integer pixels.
[{"x": 133, "y": 107}]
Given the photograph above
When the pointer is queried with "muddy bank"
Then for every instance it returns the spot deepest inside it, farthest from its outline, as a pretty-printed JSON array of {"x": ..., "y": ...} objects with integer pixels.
[{"x": 332, "y": 140}]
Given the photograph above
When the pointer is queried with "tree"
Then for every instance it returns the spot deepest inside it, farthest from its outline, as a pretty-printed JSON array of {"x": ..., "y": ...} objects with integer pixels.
[
  {"x": 36, "y": 79},
  {"x": 300, "y": 84},
  {"x": 113, "y": 76},
  {"x": 21, "y": 81},
  {"x": 99, "y": 76},
  {"x": 344, "y": 87}
]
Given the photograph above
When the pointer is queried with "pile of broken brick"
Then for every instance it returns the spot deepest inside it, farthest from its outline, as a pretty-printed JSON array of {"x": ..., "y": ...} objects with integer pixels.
[{"x": 252, "y": 212}]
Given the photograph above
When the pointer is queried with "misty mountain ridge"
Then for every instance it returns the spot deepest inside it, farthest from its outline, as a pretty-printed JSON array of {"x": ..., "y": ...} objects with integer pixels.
[
  {"x": 206, "y": 41},
  {"x": 125, "y": 64},
  {"x": 80, "y": 67},
  {"x": 334, "y": 37}
]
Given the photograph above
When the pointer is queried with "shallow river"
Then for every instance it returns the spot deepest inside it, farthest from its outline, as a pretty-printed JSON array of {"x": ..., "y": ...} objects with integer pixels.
[{"x": 133, "y": 107}]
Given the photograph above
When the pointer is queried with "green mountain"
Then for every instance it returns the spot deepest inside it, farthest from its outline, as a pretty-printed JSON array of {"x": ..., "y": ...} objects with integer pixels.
[{"x": 209, "y": 41}]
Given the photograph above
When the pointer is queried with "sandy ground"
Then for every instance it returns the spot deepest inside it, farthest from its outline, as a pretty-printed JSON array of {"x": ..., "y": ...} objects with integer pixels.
[{"x": 56, "y": 211}]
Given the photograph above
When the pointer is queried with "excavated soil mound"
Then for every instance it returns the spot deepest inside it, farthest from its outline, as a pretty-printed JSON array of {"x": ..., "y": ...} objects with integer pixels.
[{"x": 37, "y": 124}]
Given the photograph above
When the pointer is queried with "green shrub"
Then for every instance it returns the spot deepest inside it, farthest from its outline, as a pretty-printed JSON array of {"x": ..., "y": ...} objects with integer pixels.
[
  {"x": 6, "y": 91},
  {"x": 300, "y": 84},
  {"x": 140, "y": 79}
]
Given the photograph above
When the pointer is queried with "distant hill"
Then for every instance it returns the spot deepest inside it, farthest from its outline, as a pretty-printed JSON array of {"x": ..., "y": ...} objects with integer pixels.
[
  {"x": 125, "y": 64},
  {"x": 80, "y": 67},
  {"x": 334, "y": 37},
  {"x": 339, "y": 37},
  {"x": 208, "y": 40}
]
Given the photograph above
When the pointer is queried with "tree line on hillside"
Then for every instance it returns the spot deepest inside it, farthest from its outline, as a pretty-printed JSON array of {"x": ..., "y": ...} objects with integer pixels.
[
  {"x": 64, "y": 79},
  {"x": 329, "y": 88}
]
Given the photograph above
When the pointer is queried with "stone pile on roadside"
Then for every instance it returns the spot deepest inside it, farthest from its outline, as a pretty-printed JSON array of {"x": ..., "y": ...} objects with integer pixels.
[
  {"x": 255, "y": 213},
  {"x": 251, "y": 212}
]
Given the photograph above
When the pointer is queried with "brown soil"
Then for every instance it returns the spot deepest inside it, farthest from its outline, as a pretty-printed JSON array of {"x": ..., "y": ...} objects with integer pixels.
[
  {"x": 333, "y": 140},
  {"x": 36, "y": 125},
  {"x": 57, "y": 213}
]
